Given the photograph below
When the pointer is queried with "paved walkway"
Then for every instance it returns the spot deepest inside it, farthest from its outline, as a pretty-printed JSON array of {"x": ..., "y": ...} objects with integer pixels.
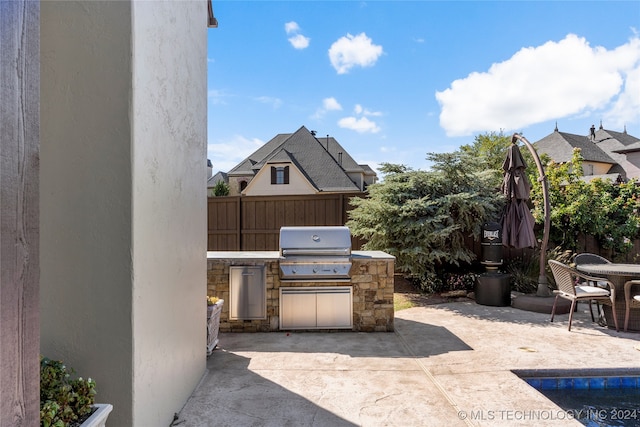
[{"x": 446, "y": 365}]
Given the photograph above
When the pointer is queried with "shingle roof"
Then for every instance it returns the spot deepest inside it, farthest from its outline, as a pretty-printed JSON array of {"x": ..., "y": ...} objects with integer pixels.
[
  {"x": 622, "y": 137},
  {"x": 320, "y": 164},
  {"x": 559, "y": 146},
  {"x": 219, "y": 176},
  {"x": 626, "y": 142}
]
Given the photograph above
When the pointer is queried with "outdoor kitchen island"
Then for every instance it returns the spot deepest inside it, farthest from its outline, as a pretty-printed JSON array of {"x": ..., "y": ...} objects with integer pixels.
[{"x": 367, "y": 293}]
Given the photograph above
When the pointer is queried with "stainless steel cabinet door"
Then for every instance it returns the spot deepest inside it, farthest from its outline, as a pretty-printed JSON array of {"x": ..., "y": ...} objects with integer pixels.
[
  {"x": 247, "y": 292},
  {"x": 334, "y": 308}
]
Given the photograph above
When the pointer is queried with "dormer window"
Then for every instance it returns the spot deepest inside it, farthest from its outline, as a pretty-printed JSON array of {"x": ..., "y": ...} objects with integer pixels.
[{"x": 279, "y": 175}]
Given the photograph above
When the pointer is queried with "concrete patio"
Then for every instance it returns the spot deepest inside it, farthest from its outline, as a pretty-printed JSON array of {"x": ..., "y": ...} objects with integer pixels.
[{"x": 445, "y": 365}]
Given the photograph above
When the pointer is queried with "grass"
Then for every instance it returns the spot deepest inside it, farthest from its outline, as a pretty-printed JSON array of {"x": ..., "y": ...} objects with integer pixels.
[{"x": 401, "y": 302}]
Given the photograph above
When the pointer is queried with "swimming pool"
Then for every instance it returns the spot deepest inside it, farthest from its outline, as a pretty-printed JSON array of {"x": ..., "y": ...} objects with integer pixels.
[{"x": 595, "y": 398}]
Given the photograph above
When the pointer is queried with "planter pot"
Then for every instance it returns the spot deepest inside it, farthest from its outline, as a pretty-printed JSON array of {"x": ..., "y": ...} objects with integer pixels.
[
  {"x": 493, "y": 289},
  {"x": 99, "y": 417},
  {"x": 213, "y": 325}
]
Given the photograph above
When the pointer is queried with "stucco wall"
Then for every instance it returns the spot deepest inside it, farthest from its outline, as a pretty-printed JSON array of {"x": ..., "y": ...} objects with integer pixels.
[
  {"x": 261, "y": 184},
  {"x": 169, "y": 205},
  {"x": 594, "y": 168},
  {"x": 123, "y": 269}
]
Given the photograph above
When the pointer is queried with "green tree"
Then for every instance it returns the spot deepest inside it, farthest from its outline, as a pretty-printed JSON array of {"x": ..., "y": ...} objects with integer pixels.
[
  {"x": 600, "y": 208},
  {"x": 221, "y": 189},
  {"x": 490, "y": 147},
  {"x": 423, "y": 217}
]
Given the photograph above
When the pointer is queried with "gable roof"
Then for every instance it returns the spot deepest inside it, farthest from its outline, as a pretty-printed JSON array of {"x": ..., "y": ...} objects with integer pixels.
[
  {"x": 219, "y": 176},
  {"x": 322, "y": 160},
  {"x": 626, "y": 143},
  {"x": 559, "y": 146}
]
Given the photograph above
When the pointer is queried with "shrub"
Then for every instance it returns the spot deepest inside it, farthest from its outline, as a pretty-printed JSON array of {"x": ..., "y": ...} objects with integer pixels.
[
  {"x": 424, "y": 217},
  {"x": 603, "y": 209},
  {"x": 63, "y": 400},
  {"x": 221, "y": 189},
  {"x": 460, "y": 281}
]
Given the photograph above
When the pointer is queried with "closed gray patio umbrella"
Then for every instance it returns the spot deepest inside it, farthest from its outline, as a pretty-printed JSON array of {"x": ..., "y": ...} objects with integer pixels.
[{"x": 517, "y": 220}]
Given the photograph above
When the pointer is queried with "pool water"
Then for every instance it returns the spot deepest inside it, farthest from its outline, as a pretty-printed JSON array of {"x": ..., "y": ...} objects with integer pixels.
[
  {"x": 599, "y": 408},
  {"x": 601, "y": 400}
]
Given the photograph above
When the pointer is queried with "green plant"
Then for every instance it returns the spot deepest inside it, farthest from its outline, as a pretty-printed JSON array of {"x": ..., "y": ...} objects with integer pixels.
[
  {"x": 221, "y": 189},
  {"x": 63, "y": 400},
  {"x": 603, "y": 209},
  {"x": 524, "y": 273},
  {"x": 424, "y": 217},
  {"x": 429, "y": 283},
  {"x": 460, "y": 281}
]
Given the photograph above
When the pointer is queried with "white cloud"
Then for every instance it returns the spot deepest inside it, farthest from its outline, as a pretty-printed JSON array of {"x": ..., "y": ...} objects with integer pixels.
[
  {"x": 275, "y": 102},
  {"x": 291, "y": 27},
  {"x": 225, "y": 156},
  {"x": 360, "y": 125},
  {"x": 350, "y": 51},
  {"x": 552, "y": 81},
  {"x": 217, "y": 97},
  {"x": 331, "y": 104},
  {"x": 358, "y": 109},
  {"x": 299, "y": 41},
  {"x": 328, "y": 104}
]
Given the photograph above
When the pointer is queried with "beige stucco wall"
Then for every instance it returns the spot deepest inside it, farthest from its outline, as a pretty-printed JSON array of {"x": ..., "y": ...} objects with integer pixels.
[
  {"x": 598, "y": 168},
  {"x": 123, "y": 224},
  {"x": 633, "y": 165},
  {"x": 261, "y": 184}
]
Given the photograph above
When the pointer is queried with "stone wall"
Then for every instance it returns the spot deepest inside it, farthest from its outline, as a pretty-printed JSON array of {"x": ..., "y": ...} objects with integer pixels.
[{"x": 372, "y": 281}]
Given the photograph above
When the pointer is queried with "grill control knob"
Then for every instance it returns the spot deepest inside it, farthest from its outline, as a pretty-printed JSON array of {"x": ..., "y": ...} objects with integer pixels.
[
  {"x": 294, "y": 271},
  {"x": 315, "y": 270}
]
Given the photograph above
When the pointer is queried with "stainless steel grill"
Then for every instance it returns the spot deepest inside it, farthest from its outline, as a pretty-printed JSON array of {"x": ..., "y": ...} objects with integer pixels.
[{"x": 315, "y": 252}]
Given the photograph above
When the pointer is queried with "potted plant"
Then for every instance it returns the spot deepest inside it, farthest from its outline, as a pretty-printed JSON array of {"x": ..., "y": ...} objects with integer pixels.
[
  {"x": 214, "y": 308},
  {"x": 67, "y": 401}
]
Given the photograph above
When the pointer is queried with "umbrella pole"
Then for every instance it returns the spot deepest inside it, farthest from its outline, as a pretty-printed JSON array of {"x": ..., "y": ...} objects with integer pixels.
[{"x": 543, "y": 288}]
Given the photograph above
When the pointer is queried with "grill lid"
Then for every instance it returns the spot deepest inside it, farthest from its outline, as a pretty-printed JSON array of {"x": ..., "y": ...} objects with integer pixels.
[
  {"x": 327, "y": 240},
  {"x": 315, "y": 252}
]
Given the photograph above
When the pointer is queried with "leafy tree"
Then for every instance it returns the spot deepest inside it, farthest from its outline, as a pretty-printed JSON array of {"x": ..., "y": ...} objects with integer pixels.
[
  {"x": 490, "y": 147},
  {"x": 221, "y": 189},
  {"x": 600, "y": 208},
  {"x": 423, "y": 217}
]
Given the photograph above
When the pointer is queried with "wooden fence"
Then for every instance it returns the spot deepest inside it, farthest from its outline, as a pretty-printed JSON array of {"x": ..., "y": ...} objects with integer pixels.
[{"x": 252, "y": 223}]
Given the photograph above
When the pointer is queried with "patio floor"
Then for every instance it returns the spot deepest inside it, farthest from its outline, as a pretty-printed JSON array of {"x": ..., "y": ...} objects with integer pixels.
[{"x": 445, "y": 365}]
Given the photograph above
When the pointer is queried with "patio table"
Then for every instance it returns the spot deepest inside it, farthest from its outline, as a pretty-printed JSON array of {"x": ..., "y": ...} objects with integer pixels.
[{"x": 618, "y": 274}]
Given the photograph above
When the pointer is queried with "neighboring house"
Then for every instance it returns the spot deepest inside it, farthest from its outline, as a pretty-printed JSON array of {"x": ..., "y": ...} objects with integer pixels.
[
  {"x": 297, "y": 163},
  {"x": 606, "y": 154},
  {"x": 623, "y": 148},
  {"x": 213, "y": 180}
]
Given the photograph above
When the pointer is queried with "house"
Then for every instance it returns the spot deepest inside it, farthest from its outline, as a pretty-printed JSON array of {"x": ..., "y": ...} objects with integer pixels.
[
  {"x": 606, "y": 154},
  {"x": 213, "y": 180},
  {"x": 297, "y": 163}
]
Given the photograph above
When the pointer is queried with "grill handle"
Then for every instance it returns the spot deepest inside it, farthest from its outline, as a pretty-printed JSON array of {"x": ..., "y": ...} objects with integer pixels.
[{"x": 321, "y": 252}]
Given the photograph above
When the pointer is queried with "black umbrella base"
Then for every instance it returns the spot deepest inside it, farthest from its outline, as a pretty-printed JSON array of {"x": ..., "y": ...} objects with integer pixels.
[
  {"x": 494, "y": 289},
  {"x": 532, "y": 302}
]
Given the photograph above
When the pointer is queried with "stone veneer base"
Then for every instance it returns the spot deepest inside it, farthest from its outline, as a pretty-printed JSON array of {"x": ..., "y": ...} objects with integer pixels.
[{"x": 371, "y": 277}]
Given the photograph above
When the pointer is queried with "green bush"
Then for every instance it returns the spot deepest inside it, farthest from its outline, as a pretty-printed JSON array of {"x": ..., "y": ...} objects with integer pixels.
[
  {"x": 63, "y": 400},
  {"x": 221, "y": 189},
  {"x": 600, "y": 208},
  {"x": 424, "y": 217}
]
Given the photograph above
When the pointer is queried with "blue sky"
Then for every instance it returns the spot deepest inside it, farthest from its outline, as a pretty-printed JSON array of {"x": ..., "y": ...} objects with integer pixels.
[{"x": 395, "y": 80}]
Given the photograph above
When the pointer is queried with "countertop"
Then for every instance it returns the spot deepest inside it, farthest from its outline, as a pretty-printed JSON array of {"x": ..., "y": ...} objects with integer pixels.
[{"x": 274, "y": 255}]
